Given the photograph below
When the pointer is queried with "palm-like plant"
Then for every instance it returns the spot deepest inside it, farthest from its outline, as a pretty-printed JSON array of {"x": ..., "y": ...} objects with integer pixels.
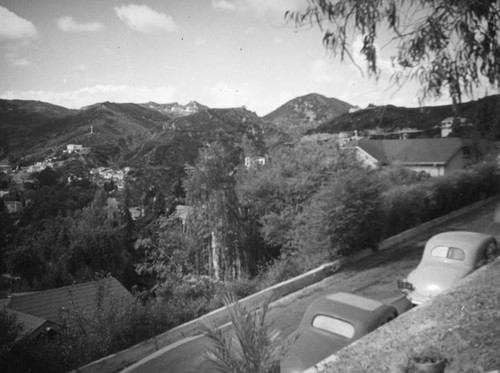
[{"x": 250, "y": 346}]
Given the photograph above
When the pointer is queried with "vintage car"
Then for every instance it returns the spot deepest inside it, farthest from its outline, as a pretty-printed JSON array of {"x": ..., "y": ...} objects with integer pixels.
[
  {"x": 447, "y": 258},
  {"x": 332, "y": 322}
]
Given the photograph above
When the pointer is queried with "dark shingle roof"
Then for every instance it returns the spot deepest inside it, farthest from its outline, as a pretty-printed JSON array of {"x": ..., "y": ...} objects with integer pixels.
[
  {"x": 47, "y": 304},
  {"x": 413, "y": 151},
  {"x": 31, "y": 324}
]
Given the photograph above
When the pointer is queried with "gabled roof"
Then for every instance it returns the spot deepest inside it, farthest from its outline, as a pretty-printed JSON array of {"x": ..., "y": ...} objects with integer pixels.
[
  {"x": 48, "y": 304},
  {"x": 413, "y": 151},
  {"x": 32, "y": 325}
]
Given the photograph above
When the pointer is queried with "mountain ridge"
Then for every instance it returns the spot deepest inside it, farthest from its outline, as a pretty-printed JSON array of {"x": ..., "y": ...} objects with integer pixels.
[{"x": 306, "y": 112}]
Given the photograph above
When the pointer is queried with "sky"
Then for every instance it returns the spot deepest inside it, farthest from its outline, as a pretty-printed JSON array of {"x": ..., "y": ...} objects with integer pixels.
[{"x": 220, "y": 53}]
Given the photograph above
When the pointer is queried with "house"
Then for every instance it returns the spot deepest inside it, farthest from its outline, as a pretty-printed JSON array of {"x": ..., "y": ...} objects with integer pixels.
[
  {"x": 74, "y": 148},
  {"x": 40, "y": 310},
  {"x": 100, "y": 175},
  {"x": 13, "y": 207},
  {"x": 251, "y": 162},
  {"x": 136, "y": 212},
  {"x": 437, "y": 157},
  {"x": 5, "y": 167},
  {"x": 181, "y": 212},
  {"x": 39, "y": 166},
  {"x": 446, "y": 125}
]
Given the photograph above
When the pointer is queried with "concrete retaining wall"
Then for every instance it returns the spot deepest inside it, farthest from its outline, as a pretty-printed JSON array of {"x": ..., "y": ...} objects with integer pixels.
[{"x": 122, "y": 359}]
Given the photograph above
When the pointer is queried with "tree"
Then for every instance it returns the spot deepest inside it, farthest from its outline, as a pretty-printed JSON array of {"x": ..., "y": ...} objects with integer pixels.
[
  {"x": 343, "y": 217},
  {"x": 11, "y": 330},
  {"x": 211, "y": 195},
  {"x": 277, "y": 194},
  {"x": 445, "y": 44},
  {"x": 47, "y": 177}
]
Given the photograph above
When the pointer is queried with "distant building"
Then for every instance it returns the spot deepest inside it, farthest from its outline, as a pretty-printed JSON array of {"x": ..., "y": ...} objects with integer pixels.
[
  {"x": 251, "y": 162},
  {"x": 136, "y": 212},
  {"x": 437, "y": 157},
  {"x": 181, "y": 212},
  {"x": 100, "y": 175},
  {"x": 39, "y": 166},
  {"x": 77, "y": 149},
  {"x": 5, "y": 167},
  {"x": 71, "y": 148},
  {"x": 446, "y": 125},
  {"x": 13, "y": 207}
]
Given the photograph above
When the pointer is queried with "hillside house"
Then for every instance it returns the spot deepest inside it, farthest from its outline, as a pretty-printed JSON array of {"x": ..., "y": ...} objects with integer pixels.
[
  {"x": 41, "y": 311},
  {"x": 136, "y": 212},
  {"x": 76, "y": 149},
  {"x": 437, "y": 157},
  {"x": 5, "y": 167},
  {"x": 102, "y": 174},
  {"x": 446, "y": 125},
  {"x": 13, "y": 207},
  {"x": 251, "y": 162},
  {"x": 39, "y": 166},
  {"x": 73, "y": 148}
]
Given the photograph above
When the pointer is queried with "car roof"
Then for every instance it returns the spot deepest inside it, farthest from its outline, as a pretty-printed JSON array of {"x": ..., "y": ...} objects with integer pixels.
[
  {"x": 467, "y": 241},
  {"x": 357, "y": 310}
]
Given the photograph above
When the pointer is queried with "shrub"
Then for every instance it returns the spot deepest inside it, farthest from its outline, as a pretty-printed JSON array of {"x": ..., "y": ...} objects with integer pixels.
[
  {"x": 404, "y": 207},
  {"x": 344, "y": 216},
  {"x": 252, "y": 347}
]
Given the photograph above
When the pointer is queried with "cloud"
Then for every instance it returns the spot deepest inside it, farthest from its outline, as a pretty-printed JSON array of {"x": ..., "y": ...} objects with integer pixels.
[
  {"x": 80, "y": 67},
  {"x": 15, "y": 28},
  {"x": 258, "y": 6},
  {"x": 99, "y": 93},
  {"x": 224, "y": 5},
  {"x": 20, "y": 62},
  {"x": 321, "y": 71},
  {"x": 142, "y": 18},
  {"x": 200, "y": 41},
  {"x": 13, "y": 57},
  {"x": 68, "y": 24}
]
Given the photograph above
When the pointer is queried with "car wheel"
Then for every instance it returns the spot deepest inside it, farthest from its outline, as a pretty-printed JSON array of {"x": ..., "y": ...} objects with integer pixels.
[
  {"x": 491, "y": 251},
  {"x": 392, "y": 317}
]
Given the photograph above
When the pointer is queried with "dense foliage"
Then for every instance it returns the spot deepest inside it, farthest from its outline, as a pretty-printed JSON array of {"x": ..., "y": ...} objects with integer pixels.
[{"x": 244, "y": 228}]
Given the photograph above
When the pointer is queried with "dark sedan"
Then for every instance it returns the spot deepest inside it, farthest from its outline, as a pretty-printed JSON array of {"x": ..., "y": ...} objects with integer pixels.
[{"x": 331, "y": 323}]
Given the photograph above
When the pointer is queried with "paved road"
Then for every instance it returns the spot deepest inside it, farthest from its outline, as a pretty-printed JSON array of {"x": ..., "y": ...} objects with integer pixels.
[{"x": 373, "y": 277}]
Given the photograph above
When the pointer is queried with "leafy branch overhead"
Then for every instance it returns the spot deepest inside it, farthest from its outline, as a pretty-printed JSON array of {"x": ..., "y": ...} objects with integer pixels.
[{"x": 445, "y": 44}]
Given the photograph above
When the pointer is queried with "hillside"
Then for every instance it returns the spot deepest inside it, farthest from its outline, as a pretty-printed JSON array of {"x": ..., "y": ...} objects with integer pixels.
[
  {"x": 24, "y": 125},
  {"x": 157, "y": 140},
  {"x": 483, "y": 113},
  {"x": 307, "y": 112},
  {"x": 175, "y": 109},
  {"x": 37, "y": 129},
  {"x": 162, "y": 158}
]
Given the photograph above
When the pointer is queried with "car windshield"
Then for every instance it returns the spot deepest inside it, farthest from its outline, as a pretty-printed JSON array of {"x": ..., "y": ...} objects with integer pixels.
[
  {"x": 454, "y": 253},
  {"x": 333, "y": 325}
]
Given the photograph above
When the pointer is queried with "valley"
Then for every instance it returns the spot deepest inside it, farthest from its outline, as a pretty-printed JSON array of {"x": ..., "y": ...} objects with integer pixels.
[{"x": 184, "y": 204}]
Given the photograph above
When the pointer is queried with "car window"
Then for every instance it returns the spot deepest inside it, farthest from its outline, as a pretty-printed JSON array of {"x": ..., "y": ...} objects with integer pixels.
[
  {"x": 439, "y": 252},
  {"x": 454, "y": 253},
  {"x": 333, "y": 325}
]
